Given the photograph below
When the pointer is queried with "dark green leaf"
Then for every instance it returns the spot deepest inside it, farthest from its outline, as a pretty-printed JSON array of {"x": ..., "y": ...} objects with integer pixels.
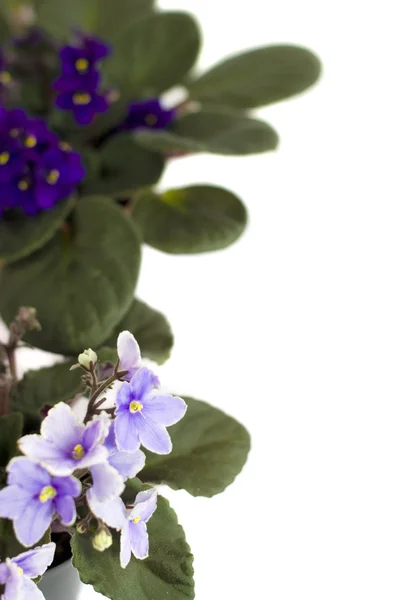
[
  {"x": 81, "y": 282},
  {"x": 9, "y": 545},
  {"x": 21, "y": 235},
  {"x": 258, "y": 77},
  {"x": 103, "y": 17},
  {"x": 150, "y": 329},
  {"x": 166, "y": 574},
  {"x": 209, "y": 450},
  {"x": 4, "y": 29},
  {"x": 153, "y": 54},
  {"x": 212, "y": 131},
  {"x": 126, "y": 166},
  {"x": 46, "y": 386},
  {"x": 190, "y": 220},
  {"x": 10, "y": 432}
]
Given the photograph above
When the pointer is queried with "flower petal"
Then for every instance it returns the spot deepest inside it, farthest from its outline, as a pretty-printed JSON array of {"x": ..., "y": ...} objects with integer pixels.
[
  {"x": 95, "y": 432},
  {"x": 4, "y": 573},
  {"x": 45, "y": 452},
  {"x": 145, "y": 505},
  {"x": 33, "y": 522},
  {"x": 153, "y": 436},
  {"x": 30, "y": 590},
  {"x": 107, "y": 482},
  {"x": 61, "y": 426},
  {"x": 127, "y": 464},
  {"x": 113, "y": 513},
  {"x": 129, "y": 354},
  {"x": 67, "y": 486},
  {"x": 13, "y": 501},
  {"x": 14, "y": 585},
  {"x": 126, "y": 432},
  {"x": 139, "y": 540},
  {"x": 125, "y": 546},
  {"x": 28, "y": 474},
  {"x": 35, "y": 562},
  {"x": 164, "y": 409},
  {"x": 65, "y": 507},
  {"x": 123, "y": 397},
  {"x": 98, "y": 455},
  {"x": 142, "y": 383}
]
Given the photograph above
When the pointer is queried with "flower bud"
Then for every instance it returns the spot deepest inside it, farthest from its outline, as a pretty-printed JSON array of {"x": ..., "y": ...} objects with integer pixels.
[
  {"x": 82, "y": 526},
  {"x": 86, "y": 358},
  {"x": 102, "y": 540}
]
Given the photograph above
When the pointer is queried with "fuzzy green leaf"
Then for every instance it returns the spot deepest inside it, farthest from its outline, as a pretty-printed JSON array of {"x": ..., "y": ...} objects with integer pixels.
[
  {"x": 81, "y": 282},
  {"x": 209, "y": 450},
  {"x": 212, "y": 131},
  {"x": 190, "y": 220},
  {"x": 258, "y": 77},
  {"x": 166, "y": 574},
  {"x": 21, "y": 235}
]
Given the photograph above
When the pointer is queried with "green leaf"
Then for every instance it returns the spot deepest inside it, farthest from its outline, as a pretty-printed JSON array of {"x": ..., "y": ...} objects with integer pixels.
[
  {"x": 153, "y": 54},
  {"x": 4, "y": 29},
  {"x": 150, "y": 329},
  {"x": 212, "y": 131},
  {"x": 167, "y": 573},
  {"x": 81, "y": 282},
  {"x": 258, "y": 77},
  {"x": 102, "y": 17},
  {"x": 126, "y": 166},
  {"x": 10, "y": 432},
  {"x": 209, "y": 450},
  {"x": 46, "y": 386},
  {"x": 190, "y": 220},
  {"x": 21, "y": 235}
]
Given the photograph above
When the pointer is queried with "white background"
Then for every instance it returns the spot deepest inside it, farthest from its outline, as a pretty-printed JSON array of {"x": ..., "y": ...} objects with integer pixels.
[{"x": 296, "y": 330}]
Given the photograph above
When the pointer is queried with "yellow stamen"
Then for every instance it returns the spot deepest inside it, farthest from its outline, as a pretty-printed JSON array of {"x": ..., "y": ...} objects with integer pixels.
[
  {"x": 151, "y": 120},
  {"x": 81, "y": 99},
  {"x": 64, "y": 146},
  {"x": 53, "y": 177},
  {"x": 4, "y": 158},
  {"x": 5, "y": 77},
  {"x": 135, "y": 406},
  {"x": 20, "y": 571},
  {"x": 78, "y": 452},
  {"x": 136, "y": 520},
  {"x": 47, "y": 493},
  {"x": 31, "y": 141},
  {"x": 23, "y": 185},
  {"x": 82, "y": 65}
]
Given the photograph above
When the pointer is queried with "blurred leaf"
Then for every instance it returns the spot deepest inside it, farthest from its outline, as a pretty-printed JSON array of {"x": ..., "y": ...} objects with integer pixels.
[
  {"x": 209, "y": 450},
  {"x": 212, "y": 131},
  {"x": 166, "y": 573},
  {"x": 190, "y": 220},
  {"x": 258, "y": 77},
  {"x": 4, "y": 28},
  {"x": 81, "y": 282},
  {"x": 10, "y": 432},
  {"x": 151, "y": 330},
  {"x": 153, "y": 54},
  {"x": 21, "y": 235},
  {"x": 125, "y": 166}
]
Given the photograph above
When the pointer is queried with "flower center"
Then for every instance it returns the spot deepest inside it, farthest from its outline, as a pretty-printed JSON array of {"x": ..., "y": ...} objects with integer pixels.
[
  {"x": 23, "y": 185},
  {"x": 4, "y": 158},
  {"x": 53, "y": 177},
  {"x": 20, "y": 571},
  {"x": 136, "y": 520},
  {"x": 81, "y": 65},
  {"x": 5, "y": 77},
  {"x": 31, "y": 141},
  {"x": 81, "y": 98},
  {"x": 64, "y": 146},
  {"x": 78, "y": 452},
  {"x": 47, "y": 493},
  {"x": 150, "y": 120},
  {"x": 135, "y": 406}
]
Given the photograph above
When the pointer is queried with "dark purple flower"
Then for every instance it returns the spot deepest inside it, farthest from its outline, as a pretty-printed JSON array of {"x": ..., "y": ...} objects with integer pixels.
[
  {"x": 32, "y": 497},
  {"x": 16, "y": 573},
  {"x": 84, "y": 103},
  {"x": 57, "y": 176},
  {"x": 148, "y": 114},
  {"x": 143, "y": 413},
  {"x": 84, "y": 58}
]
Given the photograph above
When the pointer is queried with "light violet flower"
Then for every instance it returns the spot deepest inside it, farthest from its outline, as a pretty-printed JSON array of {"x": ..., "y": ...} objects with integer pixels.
[
  {"x": 143, "y": 413},
  {"x": 128, "y": 464},
  {"x": 129, "y": 356},
  {"x": 33, "y": 497},
  {"x": 65, "y": 444},
  {"x": 16, "y": 573},
  {"x": 131, "y": 522}
]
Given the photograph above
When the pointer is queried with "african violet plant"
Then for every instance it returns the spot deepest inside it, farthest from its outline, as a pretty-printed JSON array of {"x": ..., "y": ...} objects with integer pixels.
[{"x": 85, "y": 135}]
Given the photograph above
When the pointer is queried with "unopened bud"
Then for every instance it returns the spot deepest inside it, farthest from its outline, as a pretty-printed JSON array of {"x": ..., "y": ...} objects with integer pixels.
[
  {"x": 86, "y": 358},
  {"x": 82, "y": 527},
  {"x": 102, "y": 540}
]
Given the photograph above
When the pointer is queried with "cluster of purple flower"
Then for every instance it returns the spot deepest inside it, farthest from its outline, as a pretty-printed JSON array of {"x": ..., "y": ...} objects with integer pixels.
[
  {"x": 36, "y": 168},
  {"x": 43, "y": 484},
  {"x": 16, "y": 574},
  {"x": 78, "y": 86}
]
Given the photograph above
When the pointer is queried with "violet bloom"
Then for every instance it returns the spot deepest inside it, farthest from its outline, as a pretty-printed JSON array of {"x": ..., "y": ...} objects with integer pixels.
[
  {"x": 83, "y": 58},
  {"x": 65, "y": 444},
  {"x": 33, "y": 497},
  {"x": 16, "y": 573},
  {"x": 129, "y": 356},
  {"x": 148, "y": 114},
  {"x": 57, "y": 177},
  {"x": 143, "y": 413},
  {"x": 126, "y": 463},
  {"x": 85, "y": 104}
]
